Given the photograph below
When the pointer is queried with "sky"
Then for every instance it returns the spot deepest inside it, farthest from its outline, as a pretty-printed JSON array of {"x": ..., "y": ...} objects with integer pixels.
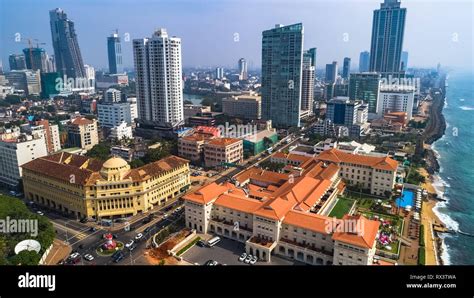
[{"x": 219, "y": 32}]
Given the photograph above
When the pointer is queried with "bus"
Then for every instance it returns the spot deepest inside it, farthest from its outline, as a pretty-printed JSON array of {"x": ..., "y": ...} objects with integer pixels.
[{"x": 213, "y": 241}]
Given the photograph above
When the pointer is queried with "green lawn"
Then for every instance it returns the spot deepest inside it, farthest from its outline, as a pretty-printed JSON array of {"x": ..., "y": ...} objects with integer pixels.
[
  {"x": 341, "y": 208},
  {"x": 396, "y": 220},
  {"x": 394, "y": 247},
  {"x": 14, "y": 209}
]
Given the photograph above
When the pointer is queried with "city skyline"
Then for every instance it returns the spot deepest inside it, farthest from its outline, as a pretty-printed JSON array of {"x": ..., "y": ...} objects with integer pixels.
[{"x": 242, "y": 39}]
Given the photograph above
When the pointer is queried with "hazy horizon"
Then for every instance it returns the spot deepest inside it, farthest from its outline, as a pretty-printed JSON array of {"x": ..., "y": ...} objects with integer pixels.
[{"x": 436, "y": 31}]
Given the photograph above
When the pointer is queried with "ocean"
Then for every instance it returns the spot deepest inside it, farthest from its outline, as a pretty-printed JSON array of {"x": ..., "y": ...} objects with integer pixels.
[{"x": 455, "y": 181}]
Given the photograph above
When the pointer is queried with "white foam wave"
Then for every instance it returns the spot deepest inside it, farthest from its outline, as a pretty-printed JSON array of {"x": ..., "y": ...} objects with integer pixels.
[
  {"x": 466, "y": 108},
  {"x": 445, "y": 248},
  {"x": 461, "y": 99}
]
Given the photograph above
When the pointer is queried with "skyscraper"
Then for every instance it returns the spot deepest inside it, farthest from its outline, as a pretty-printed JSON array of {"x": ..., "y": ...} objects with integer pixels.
[
  {"x": 114, "y": 51},
  {"x": 282, "y": 58},
  {"x": 66, "y": 48},
  {"x": 159, "y": 79},
  {"x": 331, "y": 72},
  {"x": 364, "y": 61},
  {"x": 311, "y": 53},
  {"x": 388, "y": 28},
  {"x": 36, "y": 59},
  {"x": 219, "y": 73},
  {"x": 404, "y": 61},
  {"x": 17, "y": 62},
  {"x": 243, "y": 74},
  {"x": 346, "y": 68},
  {"x": 307, "y": 85},
  {"x": 365, "y": 86}
]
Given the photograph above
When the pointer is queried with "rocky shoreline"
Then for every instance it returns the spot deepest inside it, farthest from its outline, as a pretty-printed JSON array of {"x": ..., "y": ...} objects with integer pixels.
[{"x": 435, "y": 129}]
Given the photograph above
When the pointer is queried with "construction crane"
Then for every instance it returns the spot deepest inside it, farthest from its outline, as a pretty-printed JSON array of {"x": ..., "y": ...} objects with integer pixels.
[{"x": 29, "y": 41}]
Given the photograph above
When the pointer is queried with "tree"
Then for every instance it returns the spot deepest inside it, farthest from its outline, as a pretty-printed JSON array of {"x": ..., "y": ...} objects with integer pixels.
[
  {"x": 136, "y": 163},
  {"x": 100, "y": 151}
]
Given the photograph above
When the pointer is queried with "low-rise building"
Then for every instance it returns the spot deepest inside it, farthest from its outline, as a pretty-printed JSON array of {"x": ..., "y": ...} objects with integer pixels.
[
  {"x": 122, "y": 131},
  {"x": 85, "y": 187},
  {"x": 284, "y": 214},
  {"x": 82, "y": 133},
  {"x": 260, "y": 141},
  {"x": 192, "y": 147},
  {"x": 243, "y": 106},
  {"x": 375, "y": 173},
  {"x": 223, "y": 150},
  {"x": 15, "y": 152}
]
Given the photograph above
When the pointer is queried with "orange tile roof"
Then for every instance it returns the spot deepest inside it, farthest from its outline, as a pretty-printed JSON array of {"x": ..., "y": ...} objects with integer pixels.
[
  {"x": 238, "y": 202},
  {"x": 196, "y": 137},
  {"x": 206, "y": 193},
  {"x": 223, "y": 141},
  {"x": 337, "y": 156},
  {"x": 310, "y": 221},
  {"x": 365, "y": 237},
  {"x": 81, "y": 121}
]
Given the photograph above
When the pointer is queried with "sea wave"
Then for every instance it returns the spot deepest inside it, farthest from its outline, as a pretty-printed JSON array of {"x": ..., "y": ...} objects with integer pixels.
[
  {"x": 444, "y": 254},
  {"x": 466, "y": 108}
]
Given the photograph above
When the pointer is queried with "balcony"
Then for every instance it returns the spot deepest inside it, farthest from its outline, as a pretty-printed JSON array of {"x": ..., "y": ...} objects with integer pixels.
[
  {"x": 261, "y": 241},
  {"x": 307, "y": 246},
  {"x": 231, "y": 224}
]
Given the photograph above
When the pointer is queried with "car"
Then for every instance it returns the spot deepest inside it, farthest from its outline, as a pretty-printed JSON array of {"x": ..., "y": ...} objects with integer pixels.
[
  {"x": 83, "y": 220},
  {"x": 119, "y": 257},
  {"x": 147, "y": 230},
  {"x": 139, "y": 237},
  {"x": 243, "y": 257},
  {"x": 12, "y": 193},
  {"x": 253, "y": 260},
  {"x": 201, "y": 243},
  {"x": 166, "y": 215},
  {"x": 92, "y": 229},
  {"x": 40, "y": 212},
  {"x": 133, "y": 246},
  {"x": 129, "y": 243},
  {"x": 210, "y": 263},
  {"x": 146, "y": 220},
  {"x": 88, "y": 257},
  {"x": 248, "y": 259}
]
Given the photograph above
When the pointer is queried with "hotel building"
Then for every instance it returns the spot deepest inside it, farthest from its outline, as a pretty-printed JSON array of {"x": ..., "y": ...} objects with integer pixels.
[
  {"x": 285, "y": 214},
  {"x": 82, "y": 133},
  {"x": 375, "y": 173},
  {"x": 85, "y": 187}
]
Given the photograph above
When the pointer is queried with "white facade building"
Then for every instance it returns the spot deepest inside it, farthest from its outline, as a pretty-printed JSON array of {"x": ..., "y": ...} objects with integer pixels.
[
  {"x": 114, "y": 114},
  {"x": 121, "y": 131},
  {"x": 16, "y": 152},
  {"x": 159, "y": 79},
  {"x": 395, "y": 99}
]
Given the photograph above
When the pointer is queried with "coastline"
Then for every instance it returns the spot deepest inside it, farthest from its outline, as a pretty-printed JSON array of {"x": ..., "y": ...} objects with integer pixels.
[{"x": 431, "y": 219}]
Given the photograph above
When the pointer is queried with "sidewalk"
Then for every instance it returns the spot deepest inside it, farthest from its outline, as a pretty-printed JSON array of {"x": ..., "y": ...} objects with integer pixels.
[{"x": 59, "y": 252}]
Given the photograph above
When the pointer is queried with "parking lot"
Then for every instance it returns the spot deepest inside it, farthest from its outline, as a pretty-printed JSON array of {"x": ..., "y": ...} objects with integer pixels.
[{"x": 227, "y": 252}]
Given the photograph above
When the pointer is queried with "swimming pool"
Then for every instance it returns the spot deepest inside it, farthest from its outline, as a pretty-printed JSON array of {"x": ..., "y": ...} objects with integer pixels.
[{"x": 406, "y": 199}]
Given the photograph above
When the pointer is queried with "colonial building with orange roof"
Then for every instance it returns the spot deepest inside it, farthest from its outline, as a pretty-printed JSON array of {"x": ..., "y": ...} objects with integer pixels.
[
  {"x": 284, "y": 214},
  {"x": 89, "y": 188},
  {"x": 373, "y": 173},
  {"x": 223, "y": 150}
]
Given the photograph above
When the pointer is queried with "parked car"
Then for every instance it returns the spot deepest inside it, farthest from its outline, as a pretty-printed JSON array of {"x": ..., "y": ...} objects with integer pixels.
[
  {"x": 211, "y": 263},
  {"x": 201, "y": 243},
  {"x": 242, "y": 257},
  {"x": 88, "y": 257},
  {"x": 92, "y": 229},
  {"x": 139, "y": 237},
  {"x": 253, "y": 260},
  {"x": 83, "y": 220},
  {"x": 129, "y": 243},
  {"x": 119, "y": 257},
  {"x": 133, "y": 246},
  {"x": 40, "y": 212},
  {"x": 248, "y": 259}
]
